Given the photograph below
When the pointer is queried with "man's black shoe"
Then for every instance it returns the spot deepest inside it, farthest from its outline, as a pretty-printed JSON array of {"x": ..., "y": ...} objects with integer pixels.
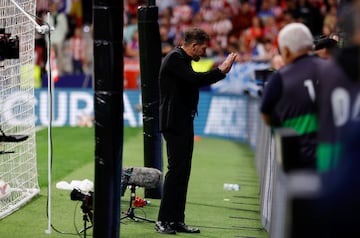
[
  {"x": 182, "y": 227},
  {"x": 164, "y": 228}
]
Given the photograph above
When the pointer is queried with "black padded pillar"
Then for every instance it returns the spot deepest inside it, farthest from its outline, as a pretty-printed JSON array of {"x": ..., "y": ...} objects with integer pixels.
[
  {"x": 150, "y": 61},
  {"x": 108, "y": 110}
]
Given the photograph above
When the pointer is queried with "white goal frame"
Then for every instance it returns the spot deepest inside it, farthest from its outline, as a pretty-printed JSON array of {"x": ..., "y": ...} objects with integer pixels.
[{"x": 18, "y": 165}]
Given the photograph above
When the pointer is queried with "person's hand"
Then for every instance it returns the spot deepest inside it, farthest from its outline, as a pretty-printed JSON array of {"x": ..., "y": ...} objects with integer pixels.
[{"x": 228, "y": 62}]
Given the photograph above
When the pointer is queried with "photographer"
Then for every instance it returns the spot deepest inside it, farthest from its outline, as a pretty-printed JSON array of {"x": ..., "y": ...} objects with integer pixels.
[
  {"x": 289, "y": 96},
  {"x": 339, "y": 92}
]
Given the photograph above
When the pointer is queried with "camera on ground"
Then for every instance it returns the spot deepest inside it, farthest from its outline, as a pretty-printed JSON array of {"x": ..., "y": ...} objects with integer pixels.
[{"x": 9, "y": 46}]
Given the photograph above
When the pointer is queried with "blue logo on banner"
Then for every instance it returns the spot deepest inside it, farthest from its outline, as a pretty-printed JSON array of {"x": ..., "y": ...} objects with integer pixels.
[{"x": 219, "y": 115}]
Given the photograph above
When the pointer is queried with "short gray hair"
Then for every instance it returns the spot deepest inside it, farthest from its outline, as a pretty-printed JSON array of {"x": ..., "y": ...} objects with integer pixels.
[{"x": 295, "y": 36}]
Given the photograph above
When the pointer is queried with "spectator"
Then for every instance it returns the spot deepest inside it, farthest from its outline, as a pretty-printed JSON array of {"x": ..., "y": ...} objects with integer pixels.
[
  {"x": 41, "y": 5},
  {"x": 76, "y": 48},
  {"x": 181, "y": 19},
  {"x": 166, "y": 13},
  {"x": 223, "y": 5},
  {"x": 330, "y": 19},
  {"x": 165, "y": 4},
  {"x": 217, "y": 53},
  {"x": 182, "y": 13},
  {"x": 264, "y": 50},
  {"x": 40, "y": 45},
  {"x": 339, "y": 92},
  {"x": 198, "y": 21},
  {"x": 271, "y": 29},
  {"x": 171, "y": 30},
  {"x": 265, "y": 11},
  {"x": 207, "y": 10},
  {"x": 258, "y": 51},
  {"x": 277, "y": 62},
  {"x": 291, "y": 10},
  {"x": 167, "y": 43},
  {"x": 57, "y": 37},
  {"x": 130, "y": 28},
  {"x": 88, "y": 50},
  {"x": 286, "y": 19},
  {"x": 326, "y": 30},
  {"x": 195, "y": 6},
  {"x": 335, "y": 211},
  {"x": 131, "y": 6},
  {"x": 255, "y": 31},
  {"x": 221, "y": 27},
  {"x": 277, "y": 7},
  {"x": 289, "y": 95},
  {"x": 76, "y": 12},
  {"x": 310, "y": 15},
  {"x": 242, "y": 20},
  {"x": 132, "y": 48}
]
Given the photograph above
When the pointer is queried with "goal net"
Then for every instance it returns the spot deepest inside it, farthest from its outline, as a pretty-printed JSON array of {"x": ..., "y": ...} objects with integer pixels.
[{"x": 18, "y": 168}]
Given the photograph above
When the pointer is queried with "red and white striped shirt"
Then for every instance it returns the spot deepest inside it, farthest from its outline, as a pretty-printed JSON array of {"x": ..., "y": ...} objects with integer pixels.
[{"x": 76, "y": 47}]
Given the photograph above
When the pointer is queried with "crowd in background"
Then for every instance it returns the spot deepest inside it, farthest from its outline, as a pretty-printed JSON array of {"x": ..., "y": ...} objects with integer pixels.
[
  {"x": 248, "y": 27},
  {"x": 70, "y": 41}
]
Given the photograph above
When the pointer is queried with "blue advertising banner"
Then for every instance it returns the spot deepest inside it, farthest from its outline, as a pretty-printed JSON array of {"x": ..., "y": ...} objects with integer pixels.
[{"x": 225, "y": 116}]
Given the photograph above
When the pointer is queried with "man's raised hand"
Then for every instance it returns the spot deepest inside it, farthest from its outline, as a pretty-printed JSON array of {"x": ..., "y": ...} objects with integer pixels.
[{"x": 228, "y": 62}]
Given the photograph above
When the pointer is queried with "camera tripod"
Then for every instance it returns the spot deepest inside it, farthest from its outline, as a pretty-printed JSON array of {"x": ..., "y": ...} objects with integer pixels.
[
  {"x": 87, "y": 217},
  {"x": 130, "y": 213}
]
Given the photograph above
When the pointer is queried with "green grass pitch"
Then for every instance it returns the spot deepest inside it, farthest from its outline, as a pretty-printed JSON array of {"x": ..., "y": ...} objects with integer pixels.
[{"x": 217, "y": 212}]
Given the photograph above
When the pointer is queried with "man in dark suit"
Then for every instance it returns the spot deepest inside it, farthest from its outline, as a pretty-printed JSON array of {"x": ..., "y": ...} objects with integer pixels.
[{"x": 179, "y": 96}]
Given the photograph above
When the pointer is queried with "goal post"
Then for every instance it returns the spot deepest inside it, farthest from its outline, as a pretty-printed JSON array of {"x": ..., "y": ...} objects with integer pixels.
[{"x": 18, "y": 167}]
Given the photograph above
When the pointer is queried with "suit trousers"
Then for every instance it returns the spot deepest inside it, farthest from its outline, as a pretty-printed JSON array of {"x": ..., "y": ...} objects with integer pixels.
[{"x": 179, "y": 152}]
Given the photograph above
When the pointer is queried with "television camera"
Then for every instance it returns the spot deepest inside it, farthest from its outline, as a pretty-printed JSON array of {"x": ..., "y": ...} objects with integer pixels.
[
  {"x": 86, "y": 206},
  {"x": 85, "y": 198},
  {"x": 9, "y": 46}
]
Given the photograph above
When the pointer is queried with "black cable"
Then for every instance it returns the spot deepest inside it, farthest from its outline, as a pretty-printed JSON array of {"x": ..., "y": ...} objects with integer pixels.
[
  {"x": 143, "y": 211},
  {"x": 75, "y": 226}
]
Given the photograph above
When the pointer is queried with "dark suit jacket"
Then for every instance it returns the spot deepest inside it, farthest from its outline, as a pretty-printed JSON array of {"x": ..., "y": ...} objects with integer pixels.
[{"x": 179, "y": 90}]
